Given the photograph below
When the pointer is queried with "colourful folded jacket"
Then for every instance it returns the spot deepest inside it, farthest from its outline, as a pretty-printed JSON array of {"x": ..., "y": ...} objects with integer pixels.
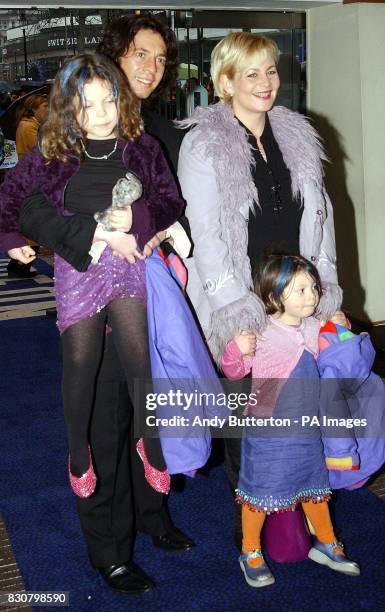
[
  {"x": 352, "y": 407},
  {"x": 176, "y": 268}
]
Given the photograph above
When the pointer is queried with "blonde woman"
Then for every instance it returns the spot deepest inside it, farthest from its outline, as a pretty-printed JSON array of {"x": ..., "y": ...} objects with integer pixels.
[{"x": 252, "y": 179}]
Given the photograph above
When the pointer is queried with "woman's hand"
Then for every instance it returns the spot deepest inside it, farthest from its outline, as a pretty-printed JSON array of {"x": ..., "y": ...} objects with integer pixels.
[
  {"x": 24, "y": 254},
  {"x": 155, "y": 242},
  {"x": 247, "y": 343},
  {"x": 152, "y": 244},
  {"x": 165, "y": 235},
  {"x": 121, "y": 219},
  {"x": 339, "y": 318}
]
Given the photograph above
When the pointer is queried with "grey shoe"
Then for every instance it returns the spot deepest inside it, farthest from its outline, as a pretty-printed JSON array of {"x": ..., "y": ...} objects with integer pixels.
[
  {"x": 259, "y": 576},
  {"x": 325, "y": 554}
]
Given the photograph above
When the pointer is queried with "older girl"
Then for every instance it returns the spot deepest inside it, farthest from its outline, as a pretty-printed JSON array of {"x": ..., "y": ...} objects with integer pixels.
[{"x": 92, "y": 137}]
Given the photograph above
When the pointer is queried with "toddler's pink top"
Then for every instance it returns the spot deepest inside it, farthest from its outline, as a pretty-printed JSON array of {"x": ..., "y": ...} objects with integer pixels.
[{"x": 275, "y": 358}]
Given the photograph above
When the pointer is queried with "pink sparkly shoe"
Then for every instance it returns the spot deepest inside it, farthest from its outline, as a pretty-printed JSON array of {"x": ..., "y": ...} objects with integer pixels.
[
  {"x": 160, "y": 481},
  {"x": 84, "y": 485}
]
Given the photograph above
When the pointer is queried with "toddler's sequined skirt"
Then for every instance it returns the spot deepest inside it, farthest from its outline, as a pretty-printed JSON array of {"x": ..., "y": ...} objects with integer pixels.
[{"x": 80, "y": 295}]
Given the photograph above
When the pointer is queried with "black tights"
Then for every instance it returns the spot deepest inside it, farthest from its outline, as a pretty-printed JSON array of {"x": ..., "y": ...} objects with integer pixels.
[{"x": 83, "y": 345}]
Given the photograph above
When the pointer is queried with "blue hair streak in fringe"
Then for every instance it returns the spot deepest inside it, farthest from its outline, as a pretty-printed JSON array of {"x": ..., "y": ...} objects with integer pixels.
[
  {"x": 68, "y": 71},
  {"x": 84, "y": 76},
  {"x": 285, "y": 270}
]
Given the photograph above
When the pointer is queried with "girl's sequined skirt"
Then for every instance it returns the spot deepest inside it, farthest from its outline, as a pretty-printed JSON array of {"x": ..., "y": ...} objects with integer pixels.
[{"x": 80, "y": 295}]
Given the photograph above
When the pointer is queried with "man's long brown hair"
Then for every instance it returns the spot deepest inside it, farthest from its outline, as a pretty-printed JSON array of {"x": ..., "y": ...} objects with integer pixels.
[
  {"x": 61, "y": 133},
  {"x": 120, "y": 33}
]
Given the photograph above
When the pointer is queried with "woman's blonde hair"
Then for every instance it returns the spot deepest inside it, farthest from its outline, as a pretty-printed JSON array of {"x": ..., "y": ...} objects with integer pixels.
[
  {"x": 230, "y": 55},
  {"x": 61, "y": 132}
]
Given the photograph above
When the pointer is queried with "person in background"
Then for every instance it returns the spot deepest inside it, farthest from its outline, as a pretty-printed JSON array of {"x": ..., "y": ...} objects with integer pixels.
[
  {"x": 148, "y": 52},
  {"x": 15, "y": 94},
  {"x": 29, "y": 117}
]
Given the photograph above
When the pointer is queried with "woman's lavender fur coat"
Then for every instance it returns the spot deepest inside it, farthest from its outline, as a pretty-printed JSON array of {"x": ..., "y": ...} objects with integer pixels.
[{"x": 215, "y": 176}]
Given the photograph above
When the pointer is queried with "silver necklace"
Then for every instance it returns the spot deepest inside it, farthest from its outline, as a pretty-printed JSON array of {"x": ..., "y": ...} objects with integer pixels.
[{"x": 101, "y": 156}]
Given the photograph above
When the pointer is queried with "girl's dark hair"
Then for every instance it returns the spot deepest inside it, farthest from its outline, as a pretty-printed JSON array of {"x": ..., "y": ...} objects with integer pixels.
[
  {"x": 61, "y": 132},
  {"x": 120, "y": 33},
  {"x": 276, "y": 273}
]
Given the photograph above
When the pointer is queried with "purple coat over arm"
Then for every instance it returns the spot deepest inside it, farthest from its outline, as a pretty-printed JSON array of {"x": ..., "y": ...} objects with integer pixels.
[
  {"x": 180, "y": 362},
  {"x": 350, "y": 390},
  {"x": 159, "y": 206}
]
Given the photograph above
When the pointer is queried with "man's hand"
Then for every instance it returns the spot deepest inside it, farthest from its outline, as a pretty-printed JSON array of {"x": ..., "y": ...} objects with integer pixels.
[
  {"x": 121, "y": 219},
  {"x": 24, "y": 254},
  {"x": 124, "y": 246}
]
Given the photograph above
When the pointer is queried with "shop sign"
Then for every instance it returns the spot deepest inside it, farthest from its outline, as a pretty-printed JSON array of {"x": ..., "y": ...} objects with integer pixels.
[{"x": 61, "y": 42}]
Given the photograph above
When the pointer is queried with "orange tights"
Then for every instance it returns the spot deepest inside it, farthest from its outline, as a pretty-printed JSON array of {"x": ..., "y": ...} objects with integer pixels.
[{"x": 252, "y": 523}]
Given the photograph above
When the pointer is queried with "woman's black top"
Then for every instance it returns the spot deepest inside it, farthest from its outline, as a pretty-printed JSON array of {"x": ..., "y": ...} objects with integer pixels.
[
  {"x": 90, "y": 190},
  {"x": 275, "y": 225}
]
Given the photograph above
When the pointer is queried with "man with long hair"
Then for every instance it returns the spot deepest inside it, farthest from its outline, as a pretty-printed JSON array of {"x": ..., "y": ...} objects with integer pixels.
[{"x": 145, "y": 49}]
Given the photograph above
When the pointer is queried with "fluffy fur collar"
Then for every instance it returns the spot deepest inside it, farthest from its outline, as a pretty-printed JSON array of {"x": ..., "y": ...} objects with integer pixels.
[
  {"x": 225, "y": 142},
  {"x": 218, "y": 136}
]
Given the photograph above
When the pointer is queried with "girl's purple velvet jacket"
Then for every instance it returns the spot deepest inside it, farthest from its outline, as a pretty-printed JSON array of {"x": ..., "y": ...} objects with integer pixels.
[{"x": 157, "y": 209}]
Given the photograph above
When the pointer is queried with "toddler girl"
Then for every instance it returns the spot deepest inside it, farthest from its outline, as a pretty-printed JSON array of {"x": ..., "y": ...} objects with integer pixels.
[{"x": 277, "y": 473}]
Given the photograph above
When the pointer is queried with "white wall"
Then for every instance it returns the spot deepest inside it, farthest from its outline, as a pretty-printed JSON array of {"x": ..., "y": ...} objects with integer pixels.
[
  {"x": 346, "y": 94},
  {"x": 372, "y": 46}
]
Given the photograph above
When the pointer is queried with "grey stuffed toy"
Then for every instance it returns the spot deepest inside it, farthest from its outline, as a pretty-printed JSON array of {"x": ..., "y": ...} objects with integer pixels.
[{"x": 125, "y": 192}]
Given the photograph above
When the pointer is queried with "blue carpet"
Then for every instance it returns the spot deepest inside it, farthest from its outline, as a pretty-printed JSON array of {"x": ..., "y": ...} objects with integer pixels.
[
  {"x": 26, "y": 294},
  {"x": 40, "y": 516}
]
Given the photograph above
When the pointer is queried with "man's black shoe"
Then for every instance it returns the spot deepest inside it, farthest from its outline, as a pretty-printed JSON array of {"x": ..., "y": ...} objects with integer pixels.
[
  {"x": 173, "y": 540},
  {"x": 126, "y": 578}
]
